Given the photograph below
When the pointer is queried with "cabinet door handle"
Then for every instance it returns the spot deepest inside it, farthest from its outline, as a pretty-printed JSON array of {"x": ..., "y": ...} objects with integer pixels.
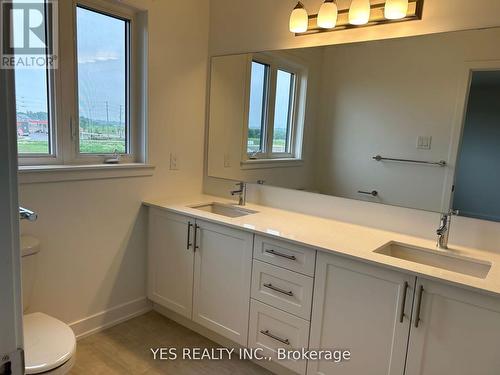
[
  {"x": 274, "y": 337},
  {"x": 403, "y": 302},
  {"x": 196, "y": 247},
  {"x": 188, "y": 243},
  {"x": 419, "y": 305},
  {"x": 278, "y": 254},
  {"x": 279, "y": 290}
]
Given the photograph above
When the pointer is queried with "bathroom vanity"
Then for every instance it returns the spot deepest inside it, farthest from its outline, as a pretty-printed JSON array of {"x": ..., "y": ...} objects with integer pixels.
[
  {"x": 410, "y": 122},
  {"x": 273, "y": 279}
]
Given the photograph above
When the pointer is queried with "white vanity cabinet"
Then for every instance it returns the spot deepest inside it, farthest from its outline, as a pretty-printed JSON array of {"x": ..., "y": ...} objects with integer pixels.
[
  {"x": 259, "y": 292},
  {"x": 223, "y": 270},
  {"x": 170, "y": 262},
  {"x": 364, "y": 309},
  {"x": 454, "y": 331},
  {"x": 201, "y": 271}
]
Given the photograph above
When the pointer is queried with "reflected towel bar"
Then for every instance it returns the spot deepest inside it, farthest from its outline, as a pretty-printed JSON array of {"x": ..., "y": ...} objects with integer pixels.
[{"x": 440, "y": 163}]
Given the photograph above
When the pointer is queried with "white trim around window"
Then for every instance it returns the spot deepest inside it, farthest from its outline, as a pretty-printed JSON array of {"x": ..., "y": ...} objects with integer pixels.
[
  {"x": 266, "y": 156},
  {"x": 63, "y": 95}
]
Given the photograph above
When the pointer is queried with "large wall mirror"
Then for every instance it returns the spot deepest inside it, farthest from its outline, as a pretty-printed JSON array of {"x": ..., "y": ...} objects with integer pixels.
[{"x": 413, "y": 122}]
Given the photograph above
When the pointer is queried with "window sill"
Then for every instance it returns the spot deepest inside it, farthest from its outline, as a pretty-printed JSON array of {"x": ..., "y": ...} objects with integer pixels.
[
  {"x": 29, "y": 174},
  {"x": 271, "y": 163}
]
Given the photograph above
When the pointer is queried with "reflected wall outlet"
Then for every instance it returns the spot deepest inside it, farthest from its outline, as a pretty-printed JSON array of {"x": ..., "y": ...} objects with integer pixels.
[
  {"x": 174, "y": 162},
  {"x": 424, "y": 142},
  {"x": 227, "y": 160}
]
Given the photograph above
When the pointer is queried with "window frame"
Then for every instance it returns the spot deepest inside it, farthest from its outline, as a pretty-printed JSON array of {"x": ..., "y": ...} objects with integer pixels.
[
  {"x": 63, "y": 96},
  {"x": 127, "y": 15},
  {"x": 296, "y": 121},
  {"x": 55, "y": 137}
]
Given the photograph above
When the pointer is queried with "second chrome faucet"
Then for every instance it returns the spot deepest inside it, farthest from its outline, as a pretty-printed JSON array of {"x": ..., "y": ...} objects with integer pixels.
[{"x": 443, "y": 231}]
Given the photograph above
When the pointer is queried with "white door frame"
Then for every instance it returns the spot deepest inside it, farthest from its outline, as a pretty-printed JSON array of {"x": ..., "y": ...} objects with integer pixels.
[{"x": 11, "y": 313}]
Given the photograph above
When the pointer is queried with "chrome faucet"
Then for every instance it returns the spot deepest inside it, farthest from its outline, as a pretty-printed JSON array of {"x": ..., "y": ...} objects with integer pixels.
[
  {"x": 25, "y": 214},
  {"x": 241, "y": 192},
  {"x": 443, "y": 231}
]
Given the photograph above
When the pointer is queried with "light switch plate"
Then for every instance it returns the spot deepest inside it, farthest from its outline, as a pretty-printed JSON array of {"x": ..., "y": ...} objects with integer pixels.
[{"x": 424, "y": 142}]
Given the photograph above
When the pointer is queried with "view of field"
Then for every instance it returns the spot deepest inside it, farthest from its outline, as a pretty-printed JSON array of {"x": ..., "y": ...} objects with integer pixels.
[
  {"x": 95, "y": 138},
  {"x": 258, "y": 120},
  {"x": 279, "y": 140}
]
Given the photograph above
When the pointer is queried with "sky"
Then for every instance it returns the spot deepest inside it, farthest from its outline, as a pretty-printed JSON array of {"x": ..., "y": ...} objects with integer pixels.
[{"x": 101, "y": 70}]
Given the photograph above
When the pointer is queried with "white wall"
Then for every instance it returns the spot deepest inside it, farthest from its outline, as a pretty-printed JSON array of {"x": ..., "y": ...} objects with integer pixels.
[
  {"x": 242, "y": 26},
  {"x": 93, "y": 233},
  {"x": 378, "y": 97},
  {"x": 257, "y": 25}
]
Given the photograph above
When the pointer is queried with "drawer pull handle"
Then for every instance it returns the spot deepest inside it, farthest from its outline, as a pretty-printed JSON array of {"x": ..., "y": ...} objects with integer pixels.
[
  {"x": 279, "y": 290},
  {"x": 274, "y": 337},
  {"x": 278, "y": 254}
]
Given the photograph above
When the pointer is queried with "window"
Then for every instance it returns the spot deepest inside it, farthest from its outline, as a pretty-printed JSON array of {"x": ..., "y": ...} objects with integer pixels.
[
  {"x": 273, "y": 110},
  {"x": 33, "y": 112},
  {"x": 97, "y": 114},
  {"x": 102, "y": 49},
  {"x": 257, "y": 111},
  {"x": 285, "y": 90}
]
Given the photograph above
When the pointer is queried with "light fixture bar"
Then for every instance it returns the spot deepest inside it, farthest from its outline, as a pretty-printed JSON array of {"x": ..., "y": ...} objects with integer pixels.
[{"x": 377, "y": 17}]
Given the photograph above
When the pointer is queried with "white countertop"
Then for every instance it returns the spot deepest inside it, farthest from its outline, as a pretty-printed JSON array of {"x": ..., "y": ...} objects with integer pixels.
[{"x": 340, "y": 238}]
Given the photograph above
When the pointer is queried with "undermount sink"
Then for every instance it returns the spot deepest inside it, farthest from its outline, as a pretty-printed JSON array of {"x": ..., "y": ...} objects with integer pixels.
[
  {"x": 436, "y": 258},
  {"x": 224, "y": 209}
]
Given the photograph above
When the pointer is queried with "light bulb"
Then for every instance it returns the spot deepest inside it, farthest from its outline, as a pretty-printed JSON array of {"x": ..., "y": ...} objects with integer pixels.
[
  {"x": 359, "y": 12},
  {"x": 395, "y": 9},
  {"x": 299, "y": 21},
  {"x": 327, "y": 16}
]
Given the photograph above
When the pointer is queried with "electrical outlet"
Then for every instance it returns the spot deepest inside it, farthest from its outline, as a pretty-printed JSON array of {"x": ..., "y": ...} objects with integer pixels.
[
  {"x": 424, "y": 142},
  {"x": 174, "y": 162}
]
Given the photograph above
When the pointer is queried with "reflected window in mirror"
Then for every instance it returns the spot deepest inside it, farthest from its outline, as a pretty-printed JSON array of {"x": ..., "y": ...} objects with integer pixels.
[
  {"x": 259, "y": 84},
  {"x": 477, "y": 181},
  {"x": 283, "y": 107},
  {"x": 273, "y": 128}
]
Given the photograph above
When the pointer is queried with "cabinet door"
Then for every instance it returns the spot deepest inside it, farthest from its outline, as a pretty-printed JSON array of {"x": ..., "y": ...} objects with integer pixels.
[
  {"x": 458, "y": 332},
  {"x": 223, "y": 264},
  {"x": 170, "y": 262},
  {"x": 364, "y": 309}
]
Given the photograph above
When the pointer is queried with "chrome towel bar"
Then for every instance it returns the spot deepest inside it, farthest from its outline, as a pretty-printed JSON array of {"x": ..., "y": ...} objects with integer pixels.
[{"x": 440, "y": 163}]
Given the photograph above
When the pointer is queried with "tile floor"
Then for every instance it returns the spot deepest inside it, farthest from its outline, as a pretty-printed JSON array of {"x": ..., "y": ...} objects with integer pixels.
[{"x": 125, "y": 349}]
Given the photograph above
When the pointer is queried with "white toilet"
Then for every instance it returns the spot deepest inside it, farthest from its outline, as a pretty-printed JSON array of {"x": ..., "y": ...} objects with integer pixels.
[{"x": 49, "y": 344}]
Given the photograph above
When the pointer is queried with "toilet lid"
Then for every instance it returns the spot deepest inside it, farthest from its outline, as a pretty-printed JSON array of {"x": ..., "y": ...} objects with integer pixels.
[{"x": 48, "y": 343}]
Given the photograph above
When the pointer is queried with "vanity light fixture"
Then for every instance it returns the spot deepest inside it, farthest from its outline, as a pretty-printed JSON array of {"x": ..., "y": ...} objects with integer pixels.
[
  {"x": 360, "y": 13},
  {"x": 395, "y": 9},
  {"x": 328, "y": 13},
  {"x": 299, "y": 21}
]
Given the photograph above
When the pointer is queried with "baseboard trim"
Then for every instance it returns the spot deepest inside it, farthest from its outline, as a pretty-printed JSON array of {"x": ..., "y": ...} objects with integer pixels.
[{"x": 110, "y": 317}]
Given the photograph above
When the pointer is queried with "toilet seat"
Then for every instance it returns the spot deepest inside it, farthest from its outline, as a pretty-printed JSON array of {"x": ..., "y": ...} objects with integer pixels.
[{"x": 49, "y": 345}]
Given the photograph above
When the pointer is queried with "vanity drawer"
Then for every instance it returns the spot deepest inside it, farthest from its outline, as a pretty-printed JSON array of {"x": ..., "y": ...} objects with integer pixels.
[
  {"x": 287, "y": 290},
  {"x": 271, "y": 329},
  {"x": 292, "y": 257}
]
